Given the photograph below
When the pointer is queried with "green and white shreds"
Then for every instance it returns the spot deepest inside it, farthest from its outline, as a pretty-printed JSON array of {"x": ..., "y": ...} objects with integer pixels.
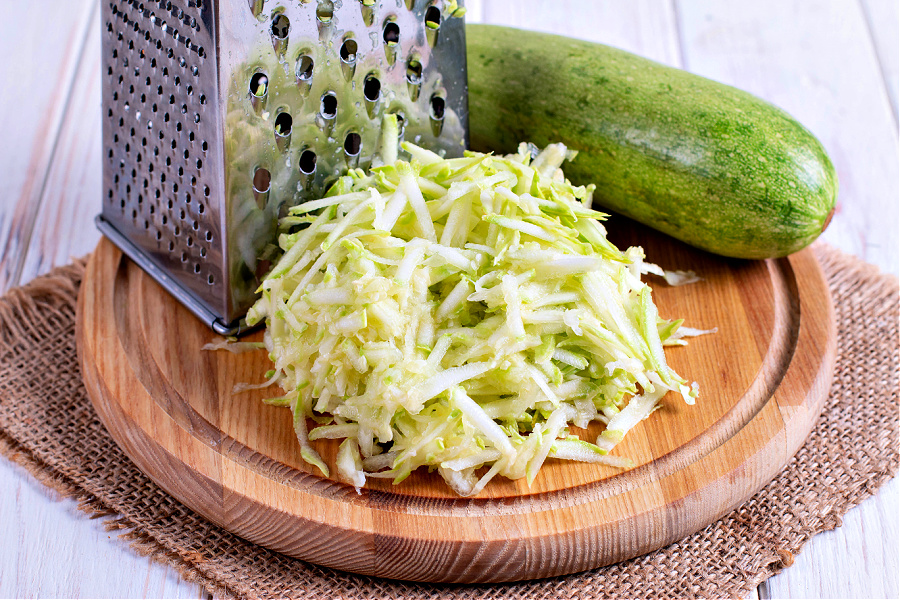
[{"x": 462, "y": 314}]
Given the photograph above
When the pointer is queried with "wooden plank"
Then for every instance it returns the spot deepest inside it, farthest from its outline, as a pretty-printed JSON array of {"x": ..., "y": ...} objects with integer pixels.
[
  {"x": 857, "y": 560},
  {"x": 41, "y": 44},
  {"x": 646, "y": 27},
  {"x": 883, "y": 19},
  {"x": 474, "y": 11},
  {"x": 814, "y": 59},
  {"x": 64, "y": 227}
]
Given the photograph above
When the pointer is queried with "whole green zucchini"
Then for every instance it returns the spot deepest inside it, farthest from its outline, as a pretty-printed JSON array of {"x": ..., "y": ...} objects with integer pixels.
[{"x": 709, "y": 164}]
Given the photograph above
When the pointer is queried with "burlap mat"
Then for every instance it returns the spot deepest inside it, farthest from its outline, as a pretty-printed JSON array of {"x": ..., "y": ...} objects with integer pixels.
[{"x": 47, "y": 424}]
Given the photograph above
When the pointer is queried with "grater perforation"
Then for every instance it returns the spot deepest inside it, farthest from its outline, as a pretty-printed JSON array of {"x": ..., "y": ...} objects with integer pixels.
[
  {"x": 159, "y": 81},
  {"x": 220, "y": 114}
]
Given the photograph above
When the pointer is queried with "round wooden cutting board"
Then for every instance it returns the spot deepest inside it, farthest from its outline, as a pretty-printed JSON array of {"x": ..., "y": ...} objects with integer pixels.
[{"x": 763, "y": 380}]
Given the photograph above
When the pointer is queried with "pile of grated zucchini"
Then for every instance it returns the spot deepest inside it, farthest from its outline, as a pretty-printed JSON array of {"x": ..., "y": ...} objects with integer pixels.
[{"x": 461, "y": 315}]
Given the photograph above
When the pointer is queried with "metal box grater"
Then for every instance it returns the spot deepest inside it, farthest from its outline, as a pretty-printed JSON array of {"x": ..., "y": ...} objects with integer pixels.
[{"x": 220, "y": 114}]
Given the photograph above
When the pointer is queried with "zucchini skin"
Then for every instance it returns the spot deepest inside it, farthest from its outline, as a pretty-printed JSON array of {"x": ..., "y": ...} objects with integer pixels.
[{"x": 706, "y": 163}]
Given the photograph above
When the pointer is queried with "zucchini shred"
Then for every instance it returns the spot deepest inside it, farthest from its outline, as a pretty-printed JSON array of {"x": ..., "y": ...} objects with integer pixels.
[{"x": 462, "y": 315}]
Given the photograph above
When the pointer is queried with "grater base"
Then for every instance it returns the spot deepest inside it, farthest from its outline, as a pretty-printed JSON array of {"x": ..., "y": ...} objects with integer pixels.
[{"x": 185, "y": 297}]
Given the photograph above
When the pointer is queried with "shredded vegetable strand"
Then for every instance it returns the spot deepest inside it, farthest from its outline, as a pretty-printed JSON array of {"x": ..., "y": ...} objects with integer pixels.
[{"x": 461, "y": 315}]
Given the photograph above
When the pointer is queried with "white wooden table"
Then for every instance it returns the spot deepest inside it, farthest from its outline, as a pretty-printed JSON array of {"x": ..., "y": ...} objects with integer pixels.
[{"x": 831, "y": 63}]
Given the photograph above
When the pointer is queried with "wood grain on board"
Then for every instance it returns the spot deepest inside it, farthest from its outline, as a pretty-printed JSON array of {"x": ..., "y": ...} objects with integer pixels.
[{"x": 236, "y": 460}]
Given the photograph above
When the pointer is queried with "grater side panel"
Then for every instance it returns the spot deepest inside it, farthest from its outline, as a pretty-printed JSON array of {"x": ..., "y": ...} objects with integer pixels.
[
  {"x": 161, "y": 138},
  {"x": 281, "y": 64},
  {"x": 199, "y": 167},
  {"x": 450, "y": 54}
]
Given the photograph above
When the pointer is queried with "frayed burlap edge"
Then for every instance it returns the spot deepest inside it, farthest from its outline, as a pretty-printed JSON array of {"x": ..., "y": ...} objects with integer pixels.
[
  {"x": 142, "y": 543},
  {"x": 27, "y": 312}
]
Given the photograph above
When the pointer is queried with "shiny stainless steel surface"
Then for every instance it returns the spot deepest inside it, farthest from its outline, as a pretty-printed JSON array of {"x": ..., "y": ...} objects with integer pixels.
[{"x": 220, "y": 114}]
